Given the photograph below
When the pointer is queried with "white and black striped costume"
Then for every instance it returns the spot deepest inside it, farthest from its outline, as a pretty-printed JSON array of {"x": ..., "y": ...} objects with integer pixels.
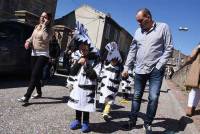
[
  {"x": 127, "y": 84},
  {"x": 82, "y": 97},
  {"x": 109, "y": 84},
  {"x": 110, "y": 75},
  {"x": 71, "y": 79}
]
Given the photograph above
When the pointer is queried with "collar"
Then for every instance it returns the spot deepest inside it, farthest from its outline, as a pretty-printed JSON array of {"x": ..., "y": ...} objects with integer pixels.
[{"x": 151, "y": 29}]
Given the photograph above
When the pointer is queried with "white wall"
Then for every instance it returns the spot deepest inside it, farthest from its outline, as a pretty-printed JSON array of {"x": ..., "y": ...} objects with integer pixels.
[{"x": 95, "y": 25}]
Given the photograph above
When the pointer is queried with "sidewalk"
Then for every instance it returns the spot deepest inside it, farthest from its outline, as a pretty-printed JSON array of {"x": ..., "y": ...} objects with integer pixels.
[{"x": 182, "y": 96}]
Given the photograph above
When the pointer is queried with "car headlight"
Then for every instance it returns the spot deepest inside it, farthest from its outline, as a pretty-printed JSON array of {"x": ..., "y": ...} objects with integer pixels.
[{"x": 61, "y": 59}]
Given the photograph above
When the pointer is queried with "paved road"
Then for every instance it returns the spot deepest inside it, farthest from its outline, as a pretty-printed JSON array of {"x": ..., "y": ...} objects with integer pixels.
[{"x": 51, "y": 115}]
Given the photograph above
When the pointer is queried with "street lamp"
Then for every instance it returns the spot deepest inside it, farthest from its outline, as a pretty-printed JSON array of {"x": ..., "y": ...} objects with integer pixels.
[{"x": 183, "y": 29}]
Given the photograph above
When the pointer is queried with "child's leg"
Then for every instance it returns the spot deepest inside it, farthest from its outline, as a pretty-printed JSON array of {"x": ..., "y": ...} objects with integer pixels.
[
  {"x": 197, "y": 97},
  {"x": 193, "y": 100},
  {"x": 78, "y": 115},
  {"x": 86, "y": 116},
  {"x": 76, "y": 124},
  {"x": 85, "y": 125},
  {"x": 107, "y": 108}
]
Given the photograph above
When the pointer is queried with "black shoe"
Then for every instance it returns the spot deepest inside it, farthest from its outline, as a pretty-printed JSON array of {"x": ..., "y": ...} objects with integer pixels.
[
  {"x": 36, "y": 96},
  {"x": 23, "y": 99},
  {"x": 147, "y": 128},
  {"x": 129, "y": 125}
]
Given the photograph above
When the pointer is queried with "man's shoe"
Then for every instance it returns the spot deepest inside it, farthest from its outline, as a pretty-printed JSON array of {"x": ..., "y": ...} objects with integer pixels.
[
  {"x": 75, "y": 125},
  {"x": 129, "y": 125},
  {"x": 85, "y": 127},
  {"x": 147, "y": 128},
  {"x": 36, "y": 96},
  {"x": 23, "y": 99}
]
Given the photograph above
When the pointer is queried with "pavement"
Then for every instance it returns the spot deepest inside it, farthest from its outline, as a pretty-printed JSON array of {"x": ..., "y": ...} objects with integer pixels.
[{"x": 50, "y": 114}]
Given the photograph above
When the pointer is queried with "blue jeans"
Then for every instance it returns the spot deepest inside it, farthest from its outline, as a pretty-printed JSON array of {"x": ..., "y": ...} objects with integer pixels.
[{"x": 155, "y": 78}]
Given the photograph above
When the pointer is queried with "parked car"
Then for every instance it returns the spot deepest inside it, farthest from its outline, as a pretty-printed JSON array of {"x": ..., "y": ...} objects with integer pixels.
[{"x": 14, "y": 58}]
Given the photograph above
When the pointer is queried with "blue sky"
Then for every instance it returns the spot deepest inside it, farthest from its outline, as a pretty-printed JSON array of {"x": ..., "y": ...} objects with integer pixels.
[{"x": 175, "y": 13}]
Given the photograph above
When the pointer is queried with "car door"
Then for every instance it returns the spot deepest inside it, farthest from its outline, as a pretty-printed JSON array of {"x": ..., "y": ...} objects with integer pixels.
[
  {"x": 9, "y": 39},
  {"x": 24, "y": 56}
]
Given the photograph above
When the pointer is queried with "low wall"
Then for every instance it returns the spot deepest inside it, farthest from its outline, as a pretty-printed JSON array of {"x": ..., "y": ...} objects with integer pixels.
[{"x": 180, "y": 75}]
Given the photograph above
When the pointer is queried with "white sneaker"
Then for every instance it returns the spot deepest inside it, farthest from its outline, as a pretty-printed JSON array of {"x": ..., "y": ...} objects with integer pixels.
[{"x": 23, "y": 99}]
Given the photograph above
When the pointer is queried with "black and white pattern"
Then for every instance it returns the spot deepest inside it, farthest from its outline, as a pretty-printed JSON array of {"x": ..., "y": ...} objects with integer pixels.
[
  {"x": 109, "y": 83},
  {"x": 128, "y": 83},
  {"x": 113, "y": 52},
  {"x": 82, "y": 96},
  {"x": 84, "y": 91}
]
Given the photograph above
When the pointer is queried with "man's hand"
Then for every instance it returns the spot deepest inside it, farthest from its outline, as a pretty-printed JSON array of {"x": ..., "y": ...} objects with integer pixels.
[
  {"x": 124, "y": 74},
  {"x": 82, "y": 61},
  {"x": 27, "y": 45}
]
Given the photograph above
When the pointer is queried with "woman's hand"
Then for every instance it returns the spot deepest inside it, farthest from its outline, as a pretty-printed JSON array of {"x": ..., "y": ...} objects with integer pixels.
[
  {"x": 46, "y": 21},
  {"x": 82, "y": 61},
  {"x": 27, "y": 45}
]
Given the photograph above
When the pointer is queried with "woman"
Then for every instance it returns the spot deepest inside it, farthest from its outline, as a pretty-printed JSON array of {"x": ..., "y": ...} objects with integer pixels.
[
  {"x": 192, "y": 81},
  {"x": 39, "y": 42}
]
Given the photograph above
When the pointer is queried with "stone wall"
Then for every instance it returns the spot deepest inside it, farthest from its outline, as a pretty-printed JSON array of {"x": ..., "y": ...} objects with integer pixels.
[
  {"x": 179, "y": 76},
  {"x": 33, "y": 6}
]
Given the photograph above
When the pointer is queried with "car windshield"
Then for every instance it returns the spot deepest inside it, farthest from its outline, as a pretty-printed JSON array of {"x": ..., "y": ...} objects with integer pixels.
[{"x": 8, "y": 33}]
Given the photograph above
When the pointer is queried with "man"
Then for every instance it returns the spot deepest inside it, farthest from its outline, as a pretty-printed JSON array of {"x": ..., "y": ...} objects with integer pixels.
[{"x": 149, "y": 52}]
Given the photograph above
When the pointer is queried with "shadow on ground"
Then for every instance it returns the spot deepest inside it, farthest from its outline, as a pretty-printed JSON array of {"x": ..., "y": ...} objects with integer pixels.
[
  {"x": 58, "y": 100},
  {"x": 15, "y": 81},
  {"x": 170, "y": 126}
]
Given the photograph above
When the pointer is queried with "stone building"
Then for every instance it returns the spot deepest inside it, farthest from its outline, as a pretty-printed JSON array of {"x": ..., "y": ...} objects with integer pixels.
[
  {"x": 35, "y": 7},
  {"x": 102, "y": 29}
]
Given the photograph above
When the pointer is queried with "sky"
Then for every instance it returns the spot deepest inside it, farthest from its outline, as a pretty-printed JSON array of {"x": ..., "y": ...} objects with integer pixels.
[{"x": 176, "y": 13}]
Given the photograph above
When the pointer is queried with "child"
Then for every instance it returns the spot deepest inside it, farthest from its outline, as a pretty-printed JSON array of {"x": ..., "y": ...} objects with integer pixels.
[
  {"x": 126, "y": 85},
  {"x": 82, "y": 96},
  {"x": 110, "y": 78},
  {"x": 75, "y": 56}
]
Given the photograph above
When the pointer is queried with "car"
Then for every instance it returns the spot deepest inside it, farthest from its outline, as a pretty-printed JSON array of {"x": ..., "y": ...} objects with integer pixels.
[{"x": 14, "y": 58}]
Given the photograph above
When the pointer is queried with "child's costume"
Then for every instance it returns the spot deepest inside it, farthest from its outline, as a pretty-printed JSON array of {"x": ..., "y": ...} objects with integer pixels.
[
  {"x": 110, "y": 78},
  {"x": 82, "y": 96}
]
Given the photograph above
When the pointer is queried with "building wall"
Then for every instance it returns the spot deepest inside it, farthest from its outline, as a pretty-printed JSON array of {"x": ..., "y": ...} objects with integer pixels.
[
  {"x": 68, "y": 20},
  {"x": 33, "y": 6},
  {"x": 94, "y": 22},
  {"x": 114, "y": 32},
  {"x": 102, "y": 29},
  {"x": 125, "y": 42}
]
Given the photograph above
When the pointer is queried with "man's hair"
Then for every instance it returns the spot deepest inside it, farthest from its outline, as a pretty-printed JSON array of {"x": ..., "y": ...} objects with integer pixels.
[{"x": 146, "y": 12}]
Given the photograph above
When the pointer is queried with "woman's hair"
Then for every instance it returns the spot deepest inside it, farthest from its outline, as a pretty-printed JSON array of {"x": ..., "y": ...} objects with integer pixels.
[{"x": 49, "y": 18}]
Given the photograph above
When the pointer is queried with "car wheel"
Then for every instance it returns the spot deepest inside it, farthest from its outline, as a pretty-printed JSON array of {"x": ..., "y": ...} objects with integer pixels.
[{"x": 52, "y": 71}]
